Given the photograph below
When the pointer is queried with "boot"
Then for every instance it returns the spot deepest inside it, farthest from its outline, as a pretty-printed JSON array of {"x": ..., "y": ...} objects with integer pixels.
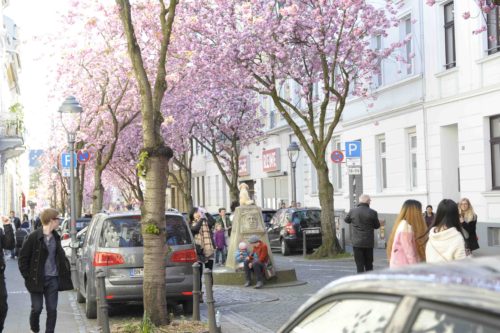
[
  {"x": 247, "y": 283},
  {"x": 259, "y": 285}
]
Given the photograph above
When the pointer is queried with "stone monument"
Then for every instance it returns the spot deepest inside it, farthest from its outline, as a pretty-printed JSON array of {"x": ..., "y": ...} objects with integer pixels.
[{"x": 247, "y": 221}]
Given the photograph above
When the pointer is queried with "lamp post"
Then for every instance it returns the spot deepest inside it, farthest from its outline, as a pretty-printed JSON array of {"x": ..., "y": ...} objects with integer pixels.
[
  {"x": 293, "y": 155},
  {"x": 70, "y": 113},
  {"x": 53, "y": 175}
]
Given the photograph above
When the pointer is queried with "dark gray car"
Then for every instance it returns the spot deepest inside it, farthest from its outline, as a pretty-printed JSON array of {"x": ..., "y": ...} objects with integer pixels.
[{"x": 114, "y": 243}]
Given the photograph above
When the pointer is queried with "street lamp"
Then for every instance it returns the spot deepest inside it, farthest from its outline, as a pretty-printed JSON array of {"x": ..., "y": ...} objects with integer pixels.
[
  {"x": 53, "y": 174},
  {"x": 293, "y": 155},
  {"x": 70, "y": 113}
]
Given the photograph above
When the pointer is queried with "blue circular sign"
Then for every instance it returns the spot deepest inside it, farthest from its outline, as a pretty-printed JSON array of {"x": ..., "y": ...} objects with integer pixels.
[
  {"x": 83, "y": 156},
  {"x": 337, "y": 156}
]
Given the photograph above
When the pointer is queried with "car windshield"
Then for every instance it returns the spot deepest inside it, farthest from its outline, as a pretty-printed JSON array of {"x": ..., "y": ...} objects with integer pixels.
[
  {"x": 267, "y": 216},
  {"x": 126, "y": 232},
  {"x": 82, "y": 223}
]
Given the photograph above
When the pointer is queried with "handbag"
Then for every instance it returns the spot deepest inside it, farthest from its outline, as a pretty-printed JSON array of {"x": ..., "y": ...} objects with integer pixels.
[
  {"x": 269, "y": 271},
  {"x": 200, "y": 253}
]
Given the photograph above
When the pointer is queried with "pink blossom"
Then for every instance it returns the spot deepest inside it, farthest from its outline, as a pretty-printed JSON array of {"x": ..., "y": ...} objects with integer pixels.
[
  {"x": 430, "y": 2},
  {"x": 466, "y": 15}
]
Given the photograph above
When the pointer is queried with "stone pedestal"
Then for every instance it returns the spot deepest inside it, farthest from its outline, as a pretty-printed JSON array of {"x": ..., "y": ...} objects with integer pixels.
[{"x": 247, "y": 221}]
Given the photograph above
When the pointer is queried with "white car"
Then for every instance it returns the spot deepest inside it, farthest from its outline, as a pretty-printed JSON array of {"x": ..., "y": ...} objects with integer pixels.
[{"x": 66, "y": 243}]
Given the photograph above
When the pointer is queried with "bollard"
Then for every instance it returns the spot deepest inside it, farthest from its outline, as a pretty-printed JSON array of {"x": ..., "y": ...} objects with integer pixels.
[
  {"x": 196, "y": 291},
  {"x": 304, "y": 243},
  {"x": 212, "y": 327},
  {"x": 102, "y": 306},
  {"x": 343, "y": 239}
]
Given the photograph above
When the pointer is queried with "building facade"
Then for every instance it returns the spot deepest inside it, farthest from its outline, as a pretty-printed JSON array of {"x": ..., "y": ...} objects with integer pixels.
[{"x": 433, "y": 132}]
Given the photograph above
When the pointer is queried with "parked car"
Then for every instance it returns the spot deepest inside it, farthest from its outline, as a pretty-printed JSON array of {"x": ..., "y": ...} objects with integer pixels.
[
  {"x": 287, "y": 225},
  {"x": 459, "y": 296},
  {"x": 267, "y": 215},
  {"x": 65, "y": 227},
  {"x": 114, "y": 243},
  {"x": 66, "y": 243}
]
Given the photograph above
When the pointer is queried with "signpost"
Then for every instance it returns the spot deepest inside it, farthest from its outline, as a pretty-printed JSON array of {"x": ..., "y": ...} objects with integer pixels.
[
  {"x": 353, "y": 155},
  {"x": 66, "y": 164},
  {"x": 337, "y": 156}
]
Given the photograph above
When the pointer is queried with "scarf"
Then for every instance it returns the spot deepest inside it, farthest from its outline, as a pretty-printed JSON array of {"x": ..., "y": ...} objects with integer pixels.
[{"x": 204, "y": 239}]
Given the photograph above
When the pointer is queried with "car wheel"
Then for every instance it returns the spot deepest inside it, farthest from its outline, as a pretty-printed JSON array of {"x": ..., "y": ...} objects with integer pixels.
[
  {"x": 285, "y": 249},
  {"x": 90, "y": 307},
  {"x": 79, "y": 297},
  {"x": 187, "y": 307}
]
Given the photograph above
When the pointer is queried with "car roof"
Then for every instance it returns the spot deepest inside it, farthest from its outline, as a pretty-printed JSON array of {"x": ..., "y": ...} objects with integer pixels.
[
  {"x": 133, "y": 213},
  {"x": 472, "y": 282}
]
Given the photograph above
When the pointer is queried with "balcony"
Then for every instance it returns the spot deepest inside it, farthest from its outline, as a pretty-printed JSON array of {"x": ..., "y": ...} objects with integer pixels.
[{"x": 11, "y": 140}]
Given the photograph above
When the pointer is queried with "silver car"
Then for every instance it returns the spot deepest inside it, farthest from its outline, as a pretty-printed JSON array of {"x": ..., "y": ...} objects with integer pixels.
[
  {"x": 114, "y": 243},
  {"x": 457, "y": 297}
]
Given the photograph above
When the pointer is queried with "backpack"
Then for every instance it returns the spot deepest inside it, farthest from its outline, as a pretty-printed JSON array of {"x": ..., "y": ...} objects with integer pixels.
[{"x": 21, "y": 235}]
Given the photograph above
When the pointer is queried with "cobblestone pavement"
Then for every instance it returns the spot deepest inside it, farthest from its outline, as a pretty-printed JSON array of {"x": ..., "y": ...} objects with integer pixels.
[{"x": 280, "y": 303}]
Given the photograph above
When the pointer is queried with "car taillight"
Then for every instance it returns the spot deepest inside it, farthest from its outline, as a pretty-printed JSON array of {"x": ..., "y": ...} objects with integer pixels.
[
  {"x": 65, "y": 236},
  {"x": 290, "y": 229},
  {"x": 107, "y": 259},
  {"x": 184, "y": 256}
]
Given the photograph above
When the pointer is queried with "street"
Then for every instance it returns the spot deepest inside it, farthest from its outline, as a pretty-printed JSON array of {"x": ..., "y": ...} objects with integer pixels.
[{"x": 242, "y": 309}]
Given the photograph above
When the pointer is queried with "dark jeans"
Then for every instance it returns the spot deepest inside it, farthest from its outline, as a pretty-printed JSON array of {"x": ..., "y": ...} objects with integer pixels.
[
  {"x": 220, "y": 256},
  {"x": 364, "y": 258},
  {"x": 257, "y": 268},
  {"x": 50, "y": 293},
  {"x": 3, "y": 301}
]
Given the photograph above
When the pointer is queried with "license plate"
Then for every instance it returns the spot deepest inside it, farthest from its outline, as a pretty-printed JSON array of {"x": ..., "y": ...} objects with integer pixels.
[
  {"x": 312, "y": 231},
  {"x": 136, "y": 272}
]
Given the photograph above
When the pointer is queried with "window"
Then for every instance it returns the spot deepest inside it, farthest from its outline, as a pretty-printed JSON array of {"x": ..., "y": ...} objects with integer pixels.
[
  {"x": 495, "y": 151},
  {"x": 405, "y": 28},
  {"x": 494, "y": 236},
  {"x": 210, "y": 200},
  {"x": 434, "y": 321},
  {"x": 377, "y": 45},
  {"x": 382, "y": 162},
  {"x": 272, "y": 119},
  {"x": 493, "y": 26},
  {"x": 412, "y": 153},
  {"x": 337, "y": 168},
  {"x": 349, "y": 315},
  {"x": 449, "y": 35},
  {"x": 314, "y": 179}
]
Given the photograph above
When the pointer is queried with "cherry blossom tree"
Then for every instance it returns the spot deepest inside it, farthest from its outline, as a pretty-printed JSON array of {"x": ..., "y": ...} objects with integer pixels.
[{"x": 308, "y": 46}]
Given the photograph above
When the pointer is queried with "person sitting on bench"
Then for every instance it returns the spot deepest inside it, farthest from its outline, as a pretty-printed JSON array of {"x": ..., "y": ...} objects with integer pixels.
[{"x": 256, "y": 262}]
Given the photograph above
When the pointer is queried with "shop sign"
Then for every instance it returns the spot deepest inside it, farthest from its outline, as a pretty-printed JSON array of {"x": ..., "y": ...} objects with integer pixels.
[
  {"x": 244, "y": 166},
  {"x": 271, "y": 160}
]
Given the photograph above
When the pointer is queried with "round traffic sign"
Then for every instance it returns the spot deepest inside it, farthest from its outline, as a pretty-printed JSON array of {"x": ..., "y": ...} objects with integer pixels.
[
  {"x": 82, "y": 156},
  {"x": 337, "y": 156}
]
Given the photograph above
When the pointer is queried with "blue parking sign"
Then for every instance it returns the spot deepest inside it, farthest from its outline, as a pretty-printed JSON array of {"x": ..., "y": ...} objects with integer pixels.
[
  {"x": 353, "y": 149},
  {"x": 66, "y": 160}
]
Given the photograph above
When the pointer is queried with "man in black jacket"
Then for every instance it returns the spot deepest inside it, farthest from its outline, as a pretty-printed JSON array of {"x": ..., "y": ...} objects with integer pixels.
[
  {"x": 45, "y": 269},
  {"x": 364, "y": 221},
  {"x": 7, "y": 242}
]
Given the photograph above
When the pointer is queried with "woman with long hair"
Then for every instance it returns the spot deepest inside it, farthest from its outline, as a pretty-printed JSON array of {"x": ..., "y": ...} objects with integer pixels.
[
  {"x": 446, "y": 241},
  {"x": 468, "y": 219},
  {"x": 202, "y": 224},
  {"x": 406, "y": 245}
]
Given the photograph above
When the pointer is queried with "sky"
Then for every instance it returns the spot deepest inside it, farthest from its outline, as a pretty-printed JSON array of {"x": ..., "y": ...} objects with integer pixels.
[{"x": 35, "y": 17}]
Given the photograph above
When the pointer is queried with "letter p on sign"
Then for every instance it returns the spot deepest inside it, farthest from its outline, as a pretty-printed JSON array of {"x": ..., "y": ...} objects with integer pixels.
[{"x": 353, "y": 149}]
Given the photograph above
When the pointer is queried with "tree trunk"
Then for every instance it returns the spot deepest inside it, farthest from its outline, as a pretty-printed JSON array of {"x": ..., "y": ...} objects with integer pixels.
[
  {"x": 155, "y": 249},
  {"x": 234, "y": 193},
  {"x": 330, "y": 245},
  {"x": 97, "y": 192}
]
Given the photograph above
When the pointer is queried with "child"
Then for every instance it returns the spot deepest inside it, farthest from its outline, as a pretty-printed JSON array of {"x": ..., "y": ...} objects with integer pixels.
[
  {"x": 220, "y": 245},
  {"x": 241, "y": 254}
]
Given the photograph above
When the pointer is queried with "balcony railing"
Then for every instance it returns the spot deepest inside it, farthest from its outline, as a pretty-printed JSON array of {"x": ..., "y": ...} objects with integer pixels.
[{"x": 11, "y": 128}]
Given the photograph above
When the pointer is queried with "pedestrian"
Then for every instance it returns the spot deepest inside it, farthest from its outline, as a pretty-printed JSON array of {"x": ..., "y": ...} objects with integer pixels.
[
  {"x": 468, "y": 219},
  {"x": 282, "y": 205},
  {"x": 20, "y": 236},
  {"x": 429, "y": 216},
  {"x": 446, "y": 241},
  {"x": 38, "y": 223},
  {"x": 405, "y": 246},
  {"x": 16, "y": 222},
  {"x": 45, "y": 270},
  {"x": 201, "y": 227},
  {"x": 241, "y": 255},
  {"x": 7, "y": 242},
  {"x": 26, "y": 222},
  {"x": 220, "y": 245},
  {"x": 364, "y": 221},
  {"x": 256, "y": 262},
  {"x": 224, "y": 220}
]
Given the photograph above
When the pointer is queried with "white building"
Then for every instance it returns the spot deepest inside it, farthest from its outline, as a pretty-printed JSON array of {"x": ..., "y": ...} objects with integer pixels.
[
  {"x": 11, "y": 118},
  {"x": 433, "y": 133}
]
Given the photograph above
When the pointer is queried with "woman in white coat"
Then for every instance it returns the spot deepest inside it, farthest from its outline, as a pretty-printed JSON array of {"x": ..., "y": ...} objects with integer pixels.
[{"x": 446, "y": 241}]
